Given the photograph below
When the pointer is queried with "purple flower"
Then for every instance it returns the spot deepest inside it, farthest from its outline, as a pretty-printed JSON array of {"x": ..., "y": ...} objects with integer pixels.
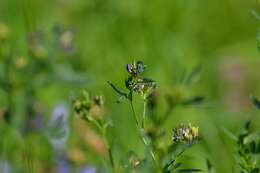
[
  {"x": 5, "y": 166},
  {"x": 58, "y": 130},
  {"x": 129, "y": 68},
  {"x": 63, "y": 166},
  {"x": 88, "y": 169}
]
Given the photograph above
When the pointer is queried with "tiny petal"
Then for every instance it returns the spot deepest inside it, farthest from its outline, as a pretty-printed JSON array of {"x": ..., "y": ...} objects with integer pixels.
[{"x": 129, "y": 68}]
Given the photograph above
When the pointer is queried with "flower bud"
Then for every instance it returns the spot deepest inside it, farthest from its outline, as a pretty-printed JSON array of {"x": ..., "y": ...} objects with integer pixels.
[{"x": 129, "y": 68}]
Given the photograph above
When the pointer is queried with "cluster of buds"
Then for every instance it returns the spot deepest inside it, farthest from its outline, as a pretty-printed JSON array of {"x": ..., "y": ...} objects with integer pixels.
[
  {"x": 185, "y": 134},
  {"x": 135, "y": 82},
  {"x": 136, "y": 68},
  {"x": 83, "y": 105}
]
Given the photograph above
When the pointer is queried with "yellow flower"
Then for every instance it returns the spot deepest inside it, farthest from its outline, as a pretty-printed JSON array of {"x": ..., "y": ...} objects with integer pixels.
[
  {"x": 195, "y": 131},
  {"x": 185, "y": 134}
]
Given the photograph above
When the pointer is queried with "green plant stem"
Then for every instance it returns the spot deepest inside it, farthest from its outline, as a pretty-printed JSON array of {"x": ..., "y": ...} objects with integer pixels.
[
  {"x": 147, "y": 145},
  {"x": 144, "y": 114},
  {"x": 9, "y": 88},
  {"x": 111, "y": 158},
  {"x": 139, "y": 129},
  {"x": 103, "y": 131},
  {"x": 135, "y": 116},
  {"x": 110, "y": 154}
]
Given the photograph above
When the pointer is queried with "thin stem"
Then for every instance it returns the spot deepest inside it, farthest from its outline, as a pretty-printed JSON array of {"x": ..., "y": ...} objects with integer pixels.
[
  {"x": 9, "y": 89},
  {"x": 109, "y": 150},
  {"x": 111, "y": 158},
  {"x": 142, "y": 138},
  {"x": 144, "y": 114},
  {"x": 135, "y": 116},
  {"x": 151, "y": 150},
  {"x": 104, "y": 134}
]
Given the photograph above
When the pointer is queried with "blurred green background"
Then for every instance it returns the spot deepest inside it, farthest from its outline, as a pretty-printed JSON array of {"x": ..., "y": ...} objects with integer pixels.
[{"x": 171, "y": 37}]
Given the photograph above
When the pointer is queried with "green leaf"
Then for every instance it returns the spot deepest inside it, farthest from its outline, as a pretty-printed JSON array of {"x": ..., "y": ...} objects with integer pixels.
[
  {"x": 255, "y": 170},
  {"x": 194, "y": 75},
  {"x": 189, "y": 170},
  {"x": 119, "y": 91},
  {"x": 256, "y": 101},
  {"x": 86, "y": 96},
  {"x": 247, "y": 124},
  {"x": 258, "y": 148},
  {"x": 120, "y": 99},
  {"x": 255, "y": 14},
  {"x": 209, "y": 165},
  {"x": 194, "y": 100},
  {"x": 258, "y": 39},
  {"x": 177, "y": 165},
  {"x": 230, "y": 134},
  {"x": 253, "y": 147}
]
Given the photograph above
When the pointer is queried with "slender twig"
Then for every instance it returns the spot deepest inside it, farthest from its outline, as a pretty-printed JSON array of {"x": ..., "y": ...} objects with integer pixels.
[
  {"x": 144, "y": 114},
  {"x": 9, "y": 87},
  {"x": 111, "y": 158},
  {"x": 134, "y": 113},
  {"x": 147, "y": 145},
  {"x": 103, "y": 131},
  {"x": 141, "y": 136}
]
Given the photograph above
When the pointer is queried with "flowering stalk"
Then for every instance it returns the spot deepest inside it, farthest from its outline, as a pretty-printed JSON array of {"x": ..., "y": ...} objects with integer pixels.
[
  {"x": 143, "y": 86},
  {"x": 83, "y": 107}
]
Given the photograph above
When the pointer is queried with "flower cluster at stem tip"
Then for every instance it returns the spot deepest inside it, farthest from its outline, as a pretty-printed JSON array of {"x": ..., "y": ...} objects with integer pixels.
[
  {"x": 135, "y": 82},
  {"x": 185, "y": 134},
  {"x": 83, "y": 105}
]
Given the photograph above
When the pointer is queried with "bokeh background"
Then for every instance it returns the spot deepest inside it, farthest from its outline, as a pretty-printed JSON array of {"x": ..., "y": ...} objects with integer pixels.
[{"x": 100, "y": 37}]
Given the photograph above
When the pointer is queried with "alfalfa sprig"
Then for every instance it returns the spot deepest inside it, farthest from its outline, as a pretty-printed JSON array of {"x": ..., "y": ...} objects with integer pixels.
[
  {"x": 143, "y": 86},
  {"x": 185, "y": 134},
  {"x": 84, "y": 107},
  {"x": 183, "y": 137},
  {"x": 136, "y": 83}
]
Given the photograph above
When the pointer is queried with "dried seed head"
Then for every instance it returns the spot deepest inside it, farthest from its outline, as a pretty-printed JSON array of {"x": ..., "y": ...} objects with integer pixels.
[{"x": 185, "y": 134}]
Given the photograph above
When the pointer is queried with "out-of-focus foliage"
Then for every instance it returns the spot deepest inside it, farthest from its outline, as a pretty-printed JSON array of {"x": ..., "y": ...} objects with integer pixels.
[{"x": 203, "y": 55}]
